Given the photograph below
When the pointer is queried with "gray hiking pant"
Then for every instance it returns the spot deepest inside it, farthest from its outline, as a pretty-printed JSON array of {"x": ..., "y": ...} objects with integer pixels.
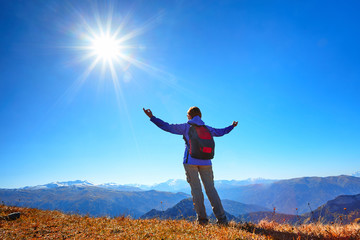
[{"x": 207, "y": 178}]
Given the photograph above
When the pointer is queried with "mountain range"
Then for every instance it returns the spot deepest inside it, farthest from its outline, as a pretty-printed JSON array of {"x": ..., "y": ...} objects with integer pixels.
[
  {"x": 75, "y": 197},
  {"x": 91, "y": 200},
  {"x": 297, "y": 195},
  {"x": 171, "y": 185},
  {"x": 293, "y": 196}
]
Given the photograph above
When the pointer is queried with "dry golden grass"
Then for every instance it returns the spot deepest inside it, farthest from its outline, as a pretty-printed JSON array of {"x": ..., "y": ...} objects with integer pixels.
[
  {"x": 39, "y": 224},
  {"x": 314, "y": 230}
]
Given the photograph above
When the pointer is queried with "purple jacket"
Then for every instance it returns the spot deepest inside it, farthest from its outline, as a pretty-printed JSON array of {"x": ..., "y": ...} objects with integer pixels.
[{"x": 183, "y": 129}]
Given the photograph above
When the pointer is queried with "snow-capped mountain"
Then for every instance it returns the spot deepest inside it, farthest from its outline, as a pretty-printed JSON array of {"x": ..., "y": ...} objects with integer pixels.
[
  {"x": 171, "y": 185},
  {"x": 119, "y": 187},
  {"x": 249, "y": 181},
  {"x": 77, "y": 183},
  {"x": 85, "y": 183}
]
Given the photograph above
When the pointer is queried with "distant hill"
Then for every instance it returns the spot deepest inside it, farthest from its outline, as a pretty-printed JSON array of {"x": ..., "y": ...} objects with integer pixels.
[
  {"x": 236, "y": 208},
  {"x": 287, "y": 195},
  {"x": 183, "y": 210},
  {"x": 344, "y": 209},
  {"x": 92, "y": 200}
]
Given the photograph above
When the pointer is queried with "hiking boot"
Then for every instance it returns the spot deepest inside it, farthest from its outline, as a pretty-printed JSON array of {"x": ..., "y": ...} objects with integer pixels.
[
  {"x": 203, "y": 221},
  {"x": 222, "y": 222}
]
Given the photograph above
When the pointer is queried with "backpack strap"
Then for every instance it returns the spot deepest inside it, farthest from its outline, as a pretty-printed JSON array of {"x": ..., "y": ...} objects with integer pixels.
[{"x": 187, "y": 143}]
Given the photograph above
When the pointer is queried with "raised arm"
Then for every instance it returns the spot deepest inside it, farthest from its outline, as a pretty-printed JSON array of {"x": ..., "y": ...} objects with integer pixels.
[
  {"x": 218, "y": 132},
  {"x": 171, "y": 128}
]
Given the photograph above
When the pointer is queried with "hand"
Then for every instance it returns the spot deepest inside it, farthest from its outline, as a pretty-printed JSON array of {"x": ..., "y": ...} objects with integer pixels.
[
  {"x": 148, "y": 112},
  {"x": 235, "y": 123}
]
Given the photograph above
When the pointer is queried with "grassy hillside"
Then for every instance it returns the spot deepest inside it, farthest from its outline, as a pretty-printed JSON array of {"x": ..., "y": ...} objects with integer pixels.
[{"x": 40, "y": 224}]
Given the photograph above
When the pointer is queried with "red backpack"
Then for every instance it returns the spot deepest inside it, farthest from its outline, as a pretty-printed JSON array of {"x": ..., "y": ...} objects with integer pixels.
[{"x": 201, "y": 143}]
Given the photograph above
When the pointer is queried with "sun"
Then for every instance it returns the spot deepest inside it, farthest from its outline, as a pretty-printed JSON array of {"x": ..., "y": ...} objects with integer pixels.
[
  {"x": 111, "y": 48},
  {"x": 106, "y": 47}
]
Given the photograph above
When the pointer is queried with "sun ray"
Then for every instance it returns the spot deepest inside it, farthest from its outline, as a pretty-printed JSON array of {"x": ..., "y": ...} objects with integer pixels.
[
  {"x": 87, "y": 72},
  {"x": 108, "y": 36},
  {"x": 111, "y": 42},
  {"x": 122, "y": 102},
  {"x": 149, "y": 68}
]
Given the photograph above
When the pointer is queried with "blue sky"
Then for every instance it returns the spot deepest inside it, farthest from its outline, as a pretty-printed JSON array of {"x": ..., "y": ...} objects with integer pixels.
[{"x": 288, "y": 71}]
